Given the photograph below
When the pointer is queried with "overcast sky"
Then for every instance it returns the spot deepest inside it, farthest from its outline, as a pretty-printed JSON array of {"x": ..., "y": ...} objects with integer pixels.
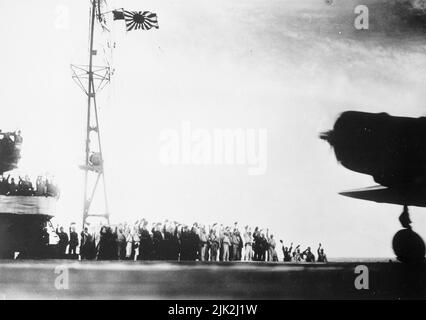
[{"x": 289, "y": 67}]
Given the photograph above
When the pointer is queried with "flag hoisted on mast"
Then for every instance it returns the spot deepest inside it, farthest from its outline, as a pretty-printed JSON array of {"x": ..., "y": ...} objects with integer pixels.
[
  {"x": 144, "y": 20},
  {"x": 86, "y": 76}
]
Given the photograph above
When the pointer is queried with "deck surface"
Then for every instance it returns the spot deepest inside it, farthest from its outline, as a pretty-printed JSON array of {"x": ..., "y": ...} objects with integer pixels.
[{"x": 68, "y": 279}]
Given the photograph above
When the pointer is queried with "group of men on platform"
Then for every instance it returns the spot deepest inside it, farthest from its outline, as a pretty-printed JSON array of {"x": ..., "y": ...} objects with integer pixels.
[
  {"x": 24, "y": 187},
  {"x": 175, "y": 241}
]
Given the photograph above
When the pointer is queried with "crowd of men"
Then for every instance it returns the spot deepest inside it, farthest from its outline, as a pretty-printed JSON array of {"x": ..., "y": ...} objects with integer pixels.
[
  {"x": 24, "y": 187},
  {"x": 175, "y": 241}
]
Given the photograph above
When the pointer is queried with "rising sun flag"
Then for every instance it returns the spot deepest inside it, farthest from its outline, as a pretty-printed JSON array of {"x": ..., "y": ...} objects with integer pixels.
[{"x": 144, "y": 20}]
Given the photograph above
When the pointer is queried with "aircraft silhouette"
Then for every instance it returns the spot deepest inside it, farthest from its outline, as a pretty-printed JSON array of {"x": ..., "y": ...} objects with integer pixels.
[{"x": 393, "y": 151}]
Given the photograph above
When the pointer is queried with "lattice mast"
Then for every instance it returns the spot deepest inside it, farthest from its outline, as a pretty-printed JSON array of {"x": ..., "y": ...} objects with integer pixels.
[{"x": 96, "y": 78}]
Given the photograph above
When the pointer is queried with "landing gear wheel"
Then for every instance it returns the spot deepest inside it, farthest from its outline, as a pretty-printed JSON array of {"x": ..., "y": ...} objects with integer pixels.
[{"x": 408, "y": 246}]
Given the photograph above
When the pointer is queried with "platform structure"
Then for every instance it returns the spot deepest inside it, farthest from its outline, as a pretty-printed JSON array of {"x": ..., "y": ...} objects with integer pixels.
[
  {"x": 91, "y": 79},
  {"x": 26, "y": 205},
  {"x": 22, "y": 220}
]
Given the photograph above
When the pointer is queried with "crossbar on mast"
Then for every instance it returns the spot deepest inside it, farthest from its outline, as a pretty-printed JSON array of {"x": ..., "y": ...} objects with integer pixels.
[{"x": 93, "y": 159}]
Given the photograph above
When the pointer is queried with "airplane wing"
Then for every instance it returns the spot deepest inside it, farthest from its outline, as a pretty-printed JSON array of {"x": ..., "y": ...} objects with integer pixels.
[{"x": 411, "y": 196}]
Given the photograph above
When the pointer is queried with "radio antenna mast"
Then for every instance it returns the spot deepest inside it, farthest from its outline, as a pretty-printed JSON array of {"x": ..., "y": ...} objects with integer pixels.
[{"x": 96, "y": 77}]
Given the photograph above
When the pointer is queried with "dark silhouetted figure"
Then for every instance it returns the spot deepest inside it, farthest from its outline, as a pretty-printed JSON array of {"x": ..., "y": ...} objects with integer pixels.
[
  {"x": 107, "y": 249},
  {"x": 87, "y": 245},
  {"x": 73, "y": 243},
  {"x": 145, "y": 247},
  {"x": 63, "y": 242},
  {"x": 321, "y": 255}
]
